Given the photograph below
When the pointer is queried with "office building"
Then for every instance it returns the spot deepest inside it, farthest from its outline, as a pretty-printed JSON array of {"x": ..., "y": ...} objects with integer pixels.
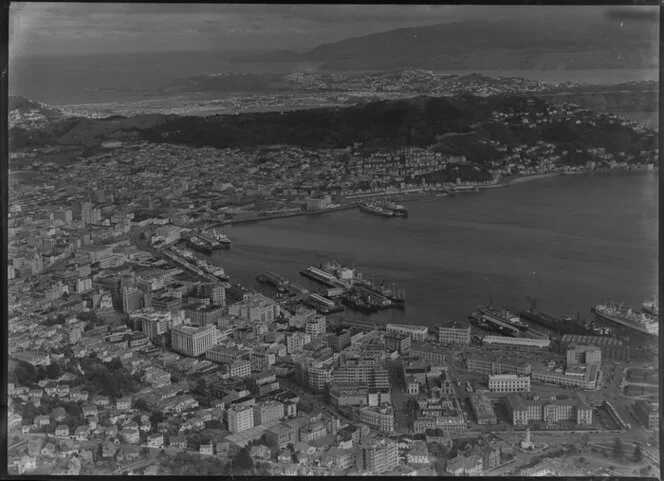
[
  {"x": 268, "y": 411},
  {"x": 379, "y": 417},
  {"x": 522, "y": 410},
  {"x": 647, "y": 413},
  {"x": 482, "y": 409},
  {"x": 397, "y": 342},
  {"x": 429, "y": 353},
  {"x": 454, "y": 333},
  {"x": 200, "y": 315},
  {"x": 240, "y": 368},
  {"x": 487, "y": 365},
  {"x": 240, "y": 418},
  {"x": 365, "y": 371},
  {"x": 583, "y": 355},
  {"x": 296, "y": 341},
  {"x": 417, "y": 333},
  {"x": 281, "y": 435},
  {"x": 132, "y": 299},
  {"x": 227, "y": 355},
  {"x": 193, "y": 341},
  {"x": 215, "y": 292},
  {"x": 509, "y": 383},
  {"x": 587, "y": 379},
  {"x": 377, "y": 456},
  {"x": 524, "y": 343},
  {"x": 86, "y": 212},
  {"x": 316, "y": 326}
]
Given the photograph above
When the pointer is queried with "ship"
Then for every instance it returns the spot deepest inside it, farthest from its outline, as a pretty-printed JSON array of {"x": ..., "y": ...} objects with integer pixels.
[
  {"x": 319, "y": 275},
  {"x": 503, "y": 318},
  {"x": 219, "y": 240},
  {"x": 358, "y": 303},
  {"x": 375, "y": 209},
  {"x": 398, "y": 210},
  {"x": 651, "y": 307},
  {"x": 624, "y": 316},
  {"x": 352, "y": 277}
]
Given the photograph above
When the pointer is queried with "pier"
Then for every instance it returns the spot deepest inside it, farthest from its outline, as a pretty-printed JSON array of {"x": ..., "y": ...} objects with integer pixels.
[{"x": 259, "y": 218}]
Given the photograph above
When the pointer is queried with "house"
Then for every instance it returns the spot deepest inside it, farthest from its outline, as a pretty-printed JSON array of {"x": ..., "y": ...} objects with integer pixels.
[
  {"x": 35, "y": 393},
  {"x": 89, "y": 410},
  {"x": 62, "y": 390},
  {"x": 51, "y": 389},
  {"x": 123, "y": 404},
  {"x": 108, "y": 450},
  {"x": 41, "y": 421},
  {"x": 155, "y": 440},
  {"x": 285, "y": 456},
  {"x": 76, "y": 394},
  {"x": 145, "y": 426},
  {"x": 92, "y": 423},
  {"x": 26, "y": 428},
  {"x": 36, "y": 401},
  {"x": 127, "y": 453},
  {"x": 82, "y": 432},
  {"x": 100, "y": 400},
  {"x": 206, "y": 449},
  {"x": 418, "y": 453},
  {"x": 179, "y": 442},
  {"x": 131, "y": 435},
  {"x": 61, "y": 431},
  {"x": 260, "y": 452},
  {"x": 223, "y": 447}
]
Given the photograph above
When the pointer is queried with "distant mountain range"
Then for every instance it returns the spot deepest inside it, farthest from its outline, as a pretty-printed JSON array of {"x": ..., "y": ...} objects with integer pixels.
[{"x": 481, "y": 45}]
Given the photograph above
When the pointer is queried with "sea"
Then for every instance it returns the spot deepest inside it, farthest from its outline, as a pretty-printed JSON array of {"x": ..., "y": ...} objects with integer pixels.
[
  {"x": 570, "y": 242},
  {"x": 75, "y": 79}
]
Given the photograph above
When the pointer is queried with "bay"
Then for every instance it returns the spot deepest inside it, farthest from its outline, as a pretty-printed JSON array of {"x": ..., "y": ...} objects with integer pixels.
[{"x": 570, "y": 241}]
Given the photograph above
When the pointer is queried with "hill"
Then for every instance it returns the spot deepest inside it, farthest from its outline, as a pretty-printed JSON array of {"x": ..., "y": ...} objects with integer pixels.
[{"x": 481, "y": 45}]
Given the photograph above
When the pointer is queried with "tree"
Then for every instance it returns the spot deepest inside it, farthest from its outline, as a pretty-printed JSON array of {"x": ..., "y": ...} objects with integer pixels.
[
  {"x": 638, "y": 455},
  {"x": 243, "y": 460},
  {"x": 618, "y": 450}
]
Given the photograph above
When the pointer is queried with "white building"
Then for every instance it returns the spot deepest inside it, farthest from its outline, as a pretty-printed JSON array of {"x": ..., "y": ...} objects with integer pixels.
[
  {"x": 240, "y": 418},
  {"x": 509, "y": 383}
]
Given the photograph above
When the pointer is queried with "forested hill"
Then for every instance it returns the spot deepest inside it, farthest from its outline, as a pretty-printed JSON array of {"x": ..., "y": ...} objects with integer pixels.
[{"x": 420, "y": 121}]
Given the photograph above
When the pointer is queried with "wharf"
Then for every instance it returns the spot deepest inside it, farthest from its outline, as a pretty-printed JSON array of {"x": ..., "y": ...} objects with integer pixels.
[
  {"x": 289, "y": 214},
  {"x": 188, "y": 265}
]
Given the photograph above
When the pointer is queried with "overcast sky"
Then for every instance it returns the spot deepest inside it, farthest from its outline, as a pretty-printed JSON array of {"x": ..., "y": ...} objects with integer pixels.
[{"x": 62, "y": 28}]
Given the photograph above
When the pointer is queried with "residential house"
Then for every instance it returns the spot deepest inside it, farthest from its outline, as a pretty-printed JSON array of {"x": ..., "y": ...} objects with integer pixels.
[
  {"x": 207, "y": 449},
  {"x": 108, "y": 450},
  {"x": 62, "y": 431},
  {"x": 41, "y": 421},
  {"x": 179, "y": 442},
  {"x": 100, "y": 400},
  {"x": 123, "y": 404},
  {"x": 89, "y": 410},
  {"x": 76, "y": 394},
  {"x": 27, "y": 464},
  {"x": 418, "y": 453},
  {"x": 48, "y": 450},
  {"x": 155, "y": 440},
  {"x": 127, "y": 453},
  {"x": 62, "y": 390},
  {"x": 82, "y": 432},
  {"x": 152, "y": 470},
  {"x": 131, "y": 435}
]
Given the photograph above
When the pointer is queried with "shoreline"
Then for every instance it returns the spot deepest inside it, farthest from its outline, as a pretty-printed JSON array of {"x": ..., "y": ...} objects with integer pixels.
[{"x": 424, "y": 196}]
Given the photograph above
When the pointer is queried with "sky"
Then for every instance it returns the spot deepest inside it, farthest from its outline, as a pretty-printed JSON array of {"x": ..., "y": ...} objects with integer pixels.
[{"x": 54, "y": 29}]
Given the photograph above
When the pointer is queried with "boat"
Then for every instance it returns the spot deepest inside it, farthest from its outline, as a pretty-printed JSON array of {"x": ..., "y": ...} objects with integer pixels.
[
  {"x": 502, "y": 317},
  {"x": 624, "y": 316},
  {"x": 357, "y": 303},
  {"x": 397, "y": 209},
  {"x": 375, "y": 209},
  {"x": 651, "y": 307}
]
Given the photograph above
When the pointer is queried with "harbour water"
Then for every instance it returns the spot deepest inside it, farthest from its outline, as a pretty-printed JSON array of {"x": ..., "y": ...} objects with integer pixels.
[{"x": 570, "y": 241}]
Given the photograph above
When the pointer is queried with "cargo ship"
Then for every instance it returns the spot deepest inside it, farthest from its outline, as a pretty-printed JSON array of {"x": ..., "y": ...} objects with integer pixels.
[
  {"x": 352, "y": 277},
  {"x": 375, "y": 209},
  {"x": 503, "y": 318},
  {"x": 624, "y": 316},
  {"x": 651, "y": 307},
  {"x": 207, "y": 245},
  {"x": 359, "y": 303}
]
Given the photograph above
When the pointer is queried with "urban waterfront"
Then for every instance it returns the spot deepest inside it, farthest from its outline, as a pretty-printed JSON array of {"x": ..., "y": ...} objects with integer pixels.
[{"x": 454, "y": 253}]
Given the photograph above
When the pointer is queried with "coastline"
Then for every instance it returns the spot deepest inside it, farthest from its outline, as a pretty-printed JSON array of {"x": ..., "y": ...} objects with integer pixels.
[{"x": 420, "y": 195}]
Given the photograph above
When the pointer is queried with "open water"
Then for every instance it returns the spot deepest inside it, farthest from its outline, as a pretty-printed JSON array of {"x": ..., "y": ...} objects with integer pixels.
[{"x": 570, "y": 241}]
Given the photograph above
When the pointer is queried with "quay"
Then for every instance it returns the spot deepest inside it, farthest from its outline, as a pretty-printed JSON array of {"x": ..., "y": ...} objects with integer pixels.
[{"x": 288, "y": 214}]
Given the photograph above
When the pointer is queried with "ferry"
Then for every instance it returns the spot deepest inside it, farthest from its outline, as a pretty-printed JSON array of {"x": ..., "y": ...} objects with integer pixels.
[
  {"x": 375, "y": 209},
  {"x": 624, "y": 316}
]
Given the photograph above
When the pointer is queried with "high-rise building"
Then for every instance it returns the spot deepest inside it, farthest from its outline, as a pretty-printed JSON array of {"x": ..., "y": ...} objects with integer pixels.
[
  {"x": 316, "y": 326},
  {"x": 86, "y": 212},
  {"x": 378, "y": 456},
  {"x": 268, "y": 411},
  {"x": 215, "y": 292},
  {"x": 193, "y": 341},
  {"x": 295, "y": 342},
  {"x": 240, "y": 418},
  {"x": 365, "y": 371},
  {"x": 132, "y": 299}
]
